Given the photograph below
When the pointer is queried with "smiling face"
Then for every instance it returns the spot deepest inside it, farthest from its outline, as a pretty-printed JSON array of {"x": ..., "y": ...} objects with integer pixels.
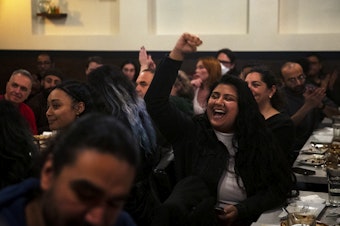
[
  {"x": 260, "y": 90},
  {"x": 18, "y": 88},
  {"x": 89, "y": 191},
  {"x": 62, "y": 109},
  {"x": 222, "y": 108}
]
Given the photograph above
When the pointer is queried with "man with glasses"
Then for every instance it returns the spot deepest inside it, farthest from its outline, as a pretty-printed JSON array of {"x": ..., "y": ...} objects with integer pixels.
[{"x": 306, "y": 104}]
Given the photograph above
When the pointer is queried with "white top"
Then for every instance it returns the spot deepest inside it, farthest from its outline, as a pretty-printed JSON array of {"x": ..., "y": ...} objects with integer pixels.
[
  {"x": 229, "y": 192},
  {"x": 198, "y": 109}
]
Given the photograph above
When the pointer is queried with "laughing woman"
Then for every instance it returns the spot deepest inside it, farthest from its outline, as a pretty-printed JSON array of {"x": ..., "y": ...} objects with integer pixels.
[{"x": 225, "y": 157}]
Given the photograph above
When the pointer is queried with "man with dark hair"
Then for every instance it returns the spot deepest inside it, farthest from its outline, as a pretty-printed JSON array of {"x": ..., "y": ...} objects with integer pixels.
[
  {"x": 86, "y": 177},
  {"x": 18, "y": 88},
  {"x": 44, "y": 62},
  {"x": 38, "y": 103},
  {"x": 227, "y": 59},
  {"x": 93, "y": 62}
]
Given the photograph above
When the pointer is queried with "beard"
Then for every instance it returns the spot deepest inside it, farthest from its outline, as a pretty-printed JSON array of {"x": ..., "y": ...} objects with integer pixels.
[
  {"x": 46, "y": 92},
  {"x": 299, "y": 89}
]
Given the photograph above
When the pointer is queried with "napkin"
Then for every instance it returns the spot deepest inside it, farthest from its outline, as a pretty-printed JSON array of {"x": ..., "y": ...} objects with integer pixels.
[{"x": 312, "y": 199}]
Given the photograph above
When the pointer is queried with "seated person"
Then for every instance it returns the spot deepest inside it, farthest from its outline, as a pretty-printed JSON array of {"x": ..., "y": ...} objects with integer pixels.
[
  {"x": 227, "y": 59},
  {"x": 67, "y": 102},
  {"x": 216, "y": 152},
  {"x": 18, "y": 88},
  {"x": 130, "y": 69},
  {"x": 263, "y": 85},
  {"x": 84, "y": 180},
  {"x": 38, "y": 103},
  {"x": 305, "y": 104},
  {"x": 93, "y": 62},
  {"x": 182, "y": 93},
  {"x": 115, "y": 95},
  {"x": 208, "y": 71},
  {"x": 17, "y": 149}
]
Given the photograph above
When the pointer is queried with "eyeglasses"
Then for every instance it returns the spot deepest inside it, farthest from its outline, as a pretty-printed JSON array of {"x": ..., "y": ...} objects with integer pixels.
[{"x": 300, "y": 78}]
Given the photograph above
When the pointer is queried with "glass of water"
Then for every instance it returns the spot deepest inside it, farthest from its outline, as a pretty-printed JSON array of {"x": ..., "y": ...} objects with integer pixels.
[{"x": 333, "y": 175}]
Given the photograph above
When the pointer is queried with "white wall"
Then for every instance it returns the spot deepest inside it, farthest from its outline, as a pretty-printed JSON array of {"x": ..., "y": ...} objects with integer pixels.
[{"x": 115, "y": 25}]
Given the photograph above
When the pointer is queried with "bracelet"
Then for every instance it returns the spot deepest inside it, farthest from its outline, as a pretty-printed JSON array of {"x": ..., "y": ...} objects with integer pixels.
[{"x": 323, "y": 106}]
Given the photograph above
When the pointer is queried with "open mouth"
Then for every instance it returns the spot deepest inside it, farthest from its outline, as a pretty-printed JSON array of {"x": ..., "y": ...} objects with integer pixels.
[{"x": 218, "y": 113}]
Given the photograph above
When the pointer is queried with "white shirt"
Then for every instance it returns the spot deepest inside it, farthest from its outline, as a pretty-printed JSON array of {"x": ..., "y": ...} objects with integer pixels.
[
  {"x": 229, "y": 192},
  {"x": 198, "y": 109}
]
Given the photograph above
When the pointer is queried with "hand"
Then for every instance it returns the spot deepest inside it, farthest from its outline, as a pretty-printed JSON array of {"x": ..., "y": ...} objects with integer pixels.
[
  {"x": 187, "y": 43},
  {"x": 196, "y": 82},
  {"x": 313, "y": 97},
  {"x": 145, "y": 60},
  {"x": 230, "y": 215},
  {"x": 325, "y": 81},
  {"x": 332, "y": 79}
]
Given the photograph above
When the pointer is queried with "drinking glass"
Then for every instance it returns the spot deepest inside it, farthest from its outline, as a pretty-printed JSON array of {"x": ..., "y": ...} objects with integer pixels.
[{"x": 333, "y": 175}]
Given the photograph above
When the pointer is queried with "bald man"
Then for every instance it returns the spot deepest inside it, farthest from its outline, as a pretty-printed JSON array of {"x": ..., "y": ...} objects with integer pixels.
[{"x": 306, "y": 104}]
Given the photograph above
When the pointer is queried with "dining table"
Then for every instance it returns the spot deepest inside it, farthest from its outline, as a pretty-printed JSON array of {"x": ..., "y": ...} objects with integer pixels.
[
  {"x": 326, "y": 214},
  {"x": 312, "y": 157}
]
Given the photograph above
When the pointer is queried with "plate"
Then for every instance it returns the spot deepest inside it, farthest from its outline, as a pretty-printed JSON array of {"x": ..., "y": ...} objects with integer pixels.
[
  {"x": 314, "y": 208},
  {"x": 314, "y": 161},
  {"x": 314, "y": 150}
]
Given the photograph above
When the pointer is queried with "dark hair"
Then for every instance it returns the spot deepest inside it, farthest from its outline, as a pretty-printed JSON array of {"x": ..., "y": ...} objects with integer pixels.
[
  {"x": 115, "y": 94},
  {"x": 317, "y": 55},
  {"x": 227, "y": 52},
  {"x": 46, "y": 54},
  {"x": 185, "y": 89},
  {"x": 96, "y": 59},
  {"x": 79, "y": 92},
  {"x": 98, "y": 132},
  {"x": 17, "y": 148},
  {"x": 253, "y": 140},
  {"x": 54, "y": 71},
  {"x": 270, "y": 80},
  {"x": 130, "y": 61}
]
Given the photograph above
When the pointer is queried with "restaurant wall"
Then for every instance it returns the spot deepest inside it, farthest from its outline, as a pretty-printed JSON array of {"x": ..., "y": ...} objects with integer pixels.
[
  {"x": 270, "y": 31},
  {"x": 116, "y": 25}
]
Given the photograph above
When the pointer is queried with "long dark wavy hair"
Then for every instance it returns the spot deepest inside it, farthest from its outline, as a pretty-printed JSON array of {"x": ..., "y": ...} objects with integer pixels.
[
  {"x": 258, "y": 157},
  {"x": 115, "y": 94},
  {"x": 17, "y": 148}
]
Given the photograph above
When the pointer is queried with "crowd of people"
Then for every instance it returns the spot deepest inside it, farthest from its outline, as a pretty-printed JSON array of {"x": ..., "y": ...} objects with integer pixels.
[{"x": 146, "y": 144}]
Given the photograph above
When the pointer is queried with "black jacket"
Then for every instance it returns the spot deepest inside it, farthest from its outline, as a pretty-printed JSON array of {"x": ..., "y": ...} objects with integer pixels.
[{"x": 197, "y": 149}]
